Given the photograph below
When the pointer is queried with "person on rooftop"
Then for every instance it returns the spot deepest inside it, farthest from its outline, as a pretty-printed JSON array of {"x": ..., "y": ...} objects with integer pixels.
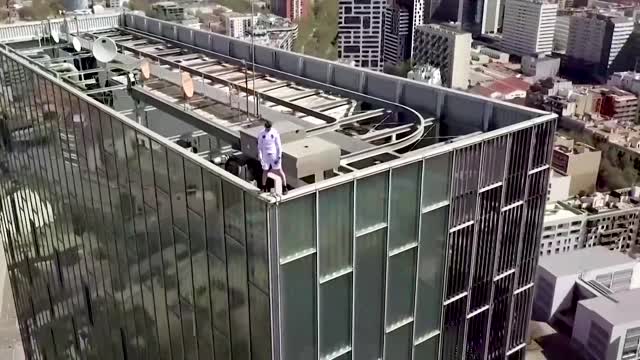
[{"x": 270, "y": 155}]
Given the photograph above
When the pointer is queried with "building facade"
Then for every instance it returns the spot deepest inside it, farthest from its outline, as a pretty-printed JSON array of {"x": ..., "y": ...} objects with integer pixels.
[
  {"x": 595, "y": 41},
  {"x": 559, "y": 187},
  {"x": 561, "y": 34},
  {"x": 157, "y": 252},
  {"x": 563, "y": 231},
  {"x": 578, "y": 160},
  {"x": 237, "y": 25},
  {"x": 290, "y": 9},
  {"x": 528, "y": 27},
  {"x": 360, "y": 32},
  {"x": 446, "y": 48},
  {"x": 397, "y": 31},
  {"x": 592, "y": 293}
]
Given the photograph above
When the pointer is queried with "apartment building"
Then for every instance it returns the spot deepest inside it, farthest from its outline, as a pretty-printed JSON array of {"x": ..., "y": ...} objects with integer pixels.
[
  {"x": 578, "y": 160},
  {"x": 397, "y": 30},
  {"x": 595, "y": 40},
  {"x": 360, "y": 32},
  {"x": 446, "y": 48},
  {"x": 563, "y": 229},
  {"x": 528, "y": 27}
]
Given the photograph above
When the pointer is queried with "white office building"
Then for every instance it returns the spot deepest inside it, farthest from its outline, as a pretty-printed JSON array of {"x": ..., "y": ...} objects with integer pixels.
[
  {"x": 360, "y": 32},
  {"x": 396, "y": 31},
  {"x": 596, "y": 39},
  {"x": 594, "y": 293},
  {"x": 446, "y": 48},
  {"x": 528, "y": 27}
]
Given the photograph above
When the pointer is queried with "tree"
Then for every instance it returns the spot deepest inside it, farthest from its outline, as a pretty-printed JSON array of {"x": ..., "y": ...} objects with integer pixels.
[{"x": 26, "y": 12}]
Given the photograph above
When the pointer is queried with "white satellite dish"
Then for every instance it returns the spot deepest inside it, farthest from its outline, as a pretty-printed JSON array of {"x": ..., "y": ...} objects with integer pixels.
[
  {"x": 145, "y": 70},
  {"x": 55, "y": 36},
  {"x": 104, "y": 49},
  {"x": 187, "y": 85},
  {"x": 77, "y": 46}
]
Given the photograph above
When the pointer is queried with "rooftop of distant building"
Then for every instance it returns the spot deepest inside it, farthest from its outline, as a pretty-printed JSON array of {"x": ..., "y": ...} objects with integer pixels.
[
  {"x": 584, "y": 260},
  {"x": 600, "y": 203},
  {"x": 558, "y": 212},
  {"x": 617, "y": 308}
]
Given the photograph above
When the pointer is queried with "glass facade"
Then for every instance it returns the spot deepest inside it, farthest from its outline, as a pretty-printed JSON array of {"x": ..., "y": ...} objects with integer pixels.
[{"x": 122, "y": 246}]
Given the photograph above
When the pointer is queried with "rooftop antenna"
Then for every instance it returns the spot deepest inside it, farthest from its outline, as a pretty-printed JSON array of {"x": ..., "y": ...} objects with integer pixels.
[{"x": 253, "y": 61}]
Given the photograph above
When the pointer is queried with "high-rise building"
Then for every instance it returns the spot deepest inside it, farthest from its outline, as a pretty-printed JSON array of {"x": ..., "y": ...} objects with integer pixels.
[
  {"x": 397, "y": 29},
  {"x": 237, "y": 25},
  {"x": 290, "y": 9},
  {"x": 476, "y": 17},
  {"x": 595, "y": 41},
  {"x": 492, "y": 16},
  {"x": 446, "y": 48},
  {"x": 360, "y": 30},
  {"x": 528, "y": 27},
  {"x": 134, "y": 229},
  {"x": 561, "y": 34}
]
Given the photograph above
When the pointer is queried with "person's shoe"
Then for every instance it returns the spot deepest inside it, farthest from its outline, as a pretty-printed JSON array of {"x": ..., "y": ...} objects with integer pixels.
[{"x": 285, "y": 190}]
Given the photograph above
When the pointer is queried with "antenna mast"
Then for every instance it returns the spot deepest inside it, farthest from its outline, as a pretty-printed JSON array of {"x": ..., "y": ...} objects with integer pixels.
[{"x": 253, "y": 62}]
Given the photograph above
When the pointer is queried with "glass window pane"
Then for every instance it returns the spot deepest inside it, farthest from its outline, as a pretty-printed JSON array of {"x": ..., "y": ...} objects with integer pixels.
[
  {"x": 219, "y": 295},
  {"x": 400, "y": 288},
  {"x": 260, "y": 324},
  {"x": 430, "y": 268},
  {"x": 214, "y": 216},
  {"x": 257, "y": 242},
  {"x": 397, "y": 344},
  {"x": 335, "y": 321},
  {"x": 335, "y": 229},
  {"x": 233, "y": 211},
  {"x": 298, "y": 309},
  {"x": 404, "y": 206},
  {"x": 369, "y": 292},
  {"x": 371, "y": 202},
  {"x": 296, "y": 226},
  {"x": 437, "y": 177},
  {"x": 238, "y": 299},
  {"x": 193, "y": 176},
  {"x": 427, "y": 349}
]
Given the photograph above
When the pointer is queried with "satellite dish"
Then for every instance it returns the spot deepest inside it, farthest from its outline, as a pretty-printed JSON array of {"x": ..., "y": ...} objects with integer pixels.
[
  {"x": 145, "y": 70},
  {"x": 187, "y": 85},
  {"x": 77, "y": 46},
  {"x": 55, "y": 36},
  {"x": 104, "y": 49}
]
